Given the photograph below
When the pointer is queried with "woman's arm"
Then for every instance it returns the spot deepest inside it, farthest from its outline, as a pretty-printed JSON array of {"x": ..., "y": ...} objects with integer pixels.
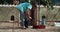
[{"x": 28, "y": 13}]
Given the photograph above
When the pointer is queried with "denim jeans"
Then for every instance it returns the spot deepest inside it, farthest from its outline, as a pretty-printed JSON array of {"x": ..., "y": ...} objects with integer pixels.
[
  {"x": 22, "y": 18},
  {"x": 26, "y": 23}
]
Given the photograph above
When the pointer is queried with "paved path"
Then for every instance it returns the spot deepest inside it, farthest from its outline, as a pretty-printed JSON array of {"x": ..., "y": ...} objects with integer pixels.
[{"x": 48, "y": 29}]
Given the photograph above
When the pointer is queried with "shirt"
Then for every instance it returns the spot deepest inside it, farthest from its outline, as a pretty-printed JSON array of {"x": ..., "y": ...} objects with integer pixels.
[{"x": 24, "y": 6}]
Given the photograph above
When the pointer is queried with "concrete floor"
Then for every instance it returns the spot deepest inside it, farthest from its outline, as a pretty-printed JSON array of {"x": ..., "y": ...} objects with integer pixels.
[
  {"x": 47, "y": 29},
  {"x": 14, "y": 27}
]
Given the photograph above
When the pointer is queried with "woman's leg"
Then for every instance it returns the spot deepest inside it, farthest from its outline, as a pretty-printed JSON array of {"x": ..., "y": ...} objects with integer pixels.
[
  {"x": 22, "y": 18},
  {"x": 23, "y": 24},
  {"x": 26, "y": 23}
]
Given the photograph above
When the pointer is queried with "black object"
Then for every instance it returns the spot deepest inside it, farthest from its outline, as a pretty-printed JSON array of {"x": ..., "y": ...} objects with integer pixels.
[{"x": 12, "y": 18}]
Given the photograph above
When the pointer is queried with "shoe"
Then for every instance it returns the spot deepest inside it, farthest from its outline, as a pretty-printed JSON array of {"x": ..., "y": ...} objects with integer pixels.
[{"x": 23, "y": 27}]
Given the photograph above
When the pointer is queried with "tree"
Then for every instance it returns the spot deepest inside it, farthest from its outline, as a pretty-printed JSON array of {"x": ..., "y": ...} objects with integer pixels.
[
  {"x": 6, "y": 1},
  {"x": 48, "y": 3}
]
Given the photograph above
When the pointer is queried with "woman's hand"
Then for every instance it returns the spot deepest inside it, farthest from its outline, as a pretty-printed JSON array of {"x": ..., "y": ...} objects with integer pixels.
[{"x": 28, "y": 18}]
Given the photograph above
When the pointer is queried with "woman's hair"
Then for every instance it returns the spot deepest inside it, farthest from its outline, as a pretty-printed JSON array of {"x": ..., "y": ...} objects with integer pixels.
[{"x": 43, "y": 16}]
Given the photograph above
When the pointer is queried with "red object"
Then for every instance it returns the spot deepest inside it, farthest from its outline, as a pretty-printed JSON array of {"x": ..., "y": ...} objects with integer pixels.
[{"x": 40, "y": 27}]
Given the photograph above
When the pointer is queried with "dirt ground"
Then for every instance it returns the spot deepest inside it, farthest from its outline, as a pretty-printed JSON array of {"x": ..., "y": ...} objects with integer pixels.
[{"x": 47, "y": 29}]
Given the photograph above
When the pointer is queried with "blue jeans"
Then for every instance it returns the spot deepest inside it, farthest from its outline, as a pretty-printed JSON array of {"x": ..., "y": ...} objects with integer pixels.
[
  {"x": 26, "y": 23},
  {"x": 22, "y": 18}
]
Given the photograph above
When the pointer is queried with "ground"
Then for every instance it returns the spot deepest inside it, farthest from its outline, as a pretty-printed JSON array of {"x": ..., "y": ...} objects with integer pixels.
[{"x": 47, "y": 29}]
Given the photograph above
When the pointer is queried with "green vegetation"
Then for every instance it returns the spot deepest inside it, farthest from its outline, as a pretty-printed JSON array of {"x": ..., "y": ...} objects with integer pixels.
[{"x": 48, "y": 3}]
